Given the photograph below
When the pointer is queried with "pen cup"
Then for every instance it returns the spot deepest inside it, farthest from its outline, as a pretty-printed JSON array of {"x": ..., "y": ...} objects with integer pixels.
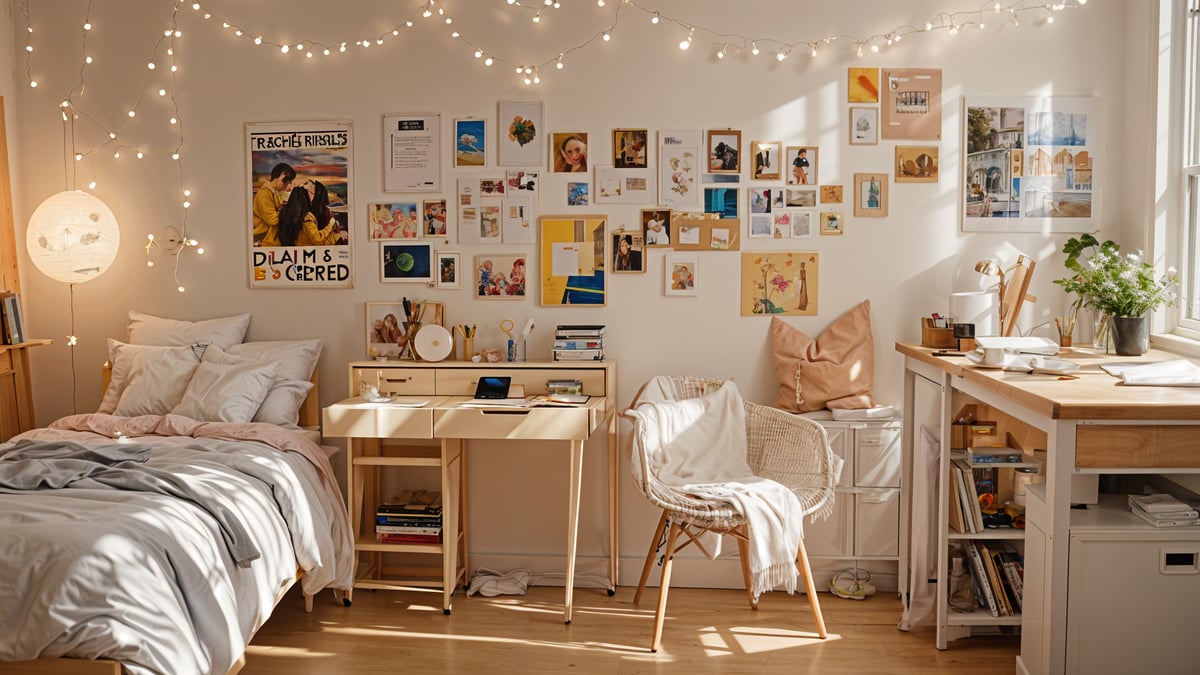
[
  {"x": 518, "y": 349},
  {"x": 468, "y": 348}
]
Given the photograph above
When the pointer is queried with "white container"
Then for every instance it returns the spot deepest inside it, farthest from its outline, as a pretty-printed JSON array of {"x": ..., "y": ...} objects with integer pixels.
[{"x": 981, "y": 308}]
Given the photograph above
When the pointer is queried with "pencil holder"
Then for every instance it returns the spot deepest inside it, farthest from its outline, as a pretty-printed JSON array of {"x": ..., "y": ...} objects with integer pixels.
[
  {"x": 410, "y": 334},
  {"x": 516, "y": 349},
  {"x": 468, "y": 348}
]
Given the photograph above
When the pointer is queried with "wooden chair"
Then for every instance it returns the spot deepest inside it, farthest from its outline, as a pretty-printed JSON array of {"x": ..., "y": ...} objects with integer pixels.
[{"x": 791, "y": 450}]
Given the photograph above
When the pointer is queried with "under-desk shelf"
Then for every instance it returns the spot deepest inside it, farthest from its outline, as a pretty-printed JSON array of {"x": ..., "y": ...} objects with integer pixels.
[
  {"x": 1003, "y": 534},
  {"x": 980, "y": 617}
]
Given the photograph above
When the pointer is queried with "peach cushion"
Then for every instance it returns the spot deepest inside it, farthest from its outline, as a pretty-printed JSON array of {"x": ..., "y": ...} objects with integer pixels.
[{"x": 834, "y": 370}]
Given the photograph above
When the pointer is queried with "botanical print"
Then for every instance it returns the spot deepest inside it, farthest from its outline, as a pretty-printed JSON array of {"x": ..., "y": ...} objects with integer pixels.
[
  {"x": 679, "y": 162},
  {"x": 470, "y": 143},
  {"x": 916, "y": 163},
  {"x": 779, "y": 283},
  {"x": 520, "y": 141}
]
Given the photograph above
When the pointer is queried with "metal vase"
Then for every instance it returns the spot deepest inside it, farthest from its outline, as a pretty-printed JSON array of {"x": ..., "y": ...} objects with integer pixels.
[{"x": 1130, "y": 335}]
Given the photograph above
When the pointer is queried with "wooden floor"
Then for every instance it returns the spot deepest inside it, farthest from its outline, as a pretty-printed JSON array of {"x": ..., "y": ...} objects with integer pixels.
[{"x": 707, "y": 631}]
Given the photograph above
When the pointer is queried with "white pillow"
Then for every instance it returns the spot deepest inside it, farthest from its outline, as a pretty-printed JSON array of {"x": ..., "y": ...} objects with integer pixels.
[
  {"x": 226, "y": 392},
  {"x": 698, "y": 440},
  {"x": 170, "y": 369},
  {"x": 145, "y": 329},
  {"x": 298, "y": 359}
]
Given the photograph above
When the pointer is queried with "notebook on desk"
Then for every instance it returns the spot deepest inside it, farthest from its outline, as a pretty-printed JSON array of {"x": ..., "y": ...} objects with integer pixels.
[{"x": 1020, "y": 345}]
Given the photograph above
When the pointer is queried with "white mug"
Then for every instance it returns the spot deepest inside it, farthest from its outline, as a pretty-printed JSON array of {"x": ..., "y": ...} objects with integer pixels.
[{"x": 993, "y": 356}]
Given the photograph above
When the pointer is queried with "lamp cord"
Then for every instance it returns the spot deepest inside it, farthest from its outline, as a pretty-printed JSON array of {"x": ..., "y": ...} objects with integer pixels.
[{"x": 71, "y": 342}]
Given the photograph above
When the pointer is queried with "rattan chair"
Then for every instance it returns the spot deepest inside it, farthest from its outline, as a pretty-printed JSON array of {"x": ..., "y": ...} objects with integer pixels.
[{"x": 791, "y": 450}]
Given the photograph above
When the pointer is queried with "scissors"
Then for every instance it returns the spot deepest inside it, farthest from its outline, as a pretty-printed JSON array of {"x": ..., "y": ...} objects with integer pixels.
[{"x": 507, "y": 326}]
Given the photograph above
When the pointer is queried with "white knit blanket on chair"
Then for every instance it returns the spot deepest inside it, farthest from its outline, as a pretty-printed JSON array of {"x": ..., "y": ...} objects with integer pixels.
[{"x": 698, "y": 446}]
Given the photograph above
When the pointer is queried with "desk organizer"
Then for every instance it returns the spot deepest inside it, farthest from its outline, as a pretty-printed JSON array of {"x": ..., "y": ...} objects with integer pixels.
[{"x": 938, "y": 338}]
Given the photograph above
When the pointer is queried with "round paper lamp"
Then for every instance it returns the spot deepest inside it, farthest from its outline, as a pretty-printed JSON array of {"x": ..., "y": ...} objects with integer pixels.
[{"x": 73, "y": 237}]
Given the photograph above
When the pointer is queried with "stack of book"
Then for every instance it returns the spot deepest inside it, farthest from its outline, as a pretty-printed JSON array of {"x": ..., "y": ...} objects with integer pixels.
[
  {"x": 986, "y": 455},
  {"x": 410, "y": 522},
  {"x": 972, "y": 491},
  {"x": 12, "y": 326},
  {"x": 1163, "y": 510},
  {"x": 579, "y": 343}
]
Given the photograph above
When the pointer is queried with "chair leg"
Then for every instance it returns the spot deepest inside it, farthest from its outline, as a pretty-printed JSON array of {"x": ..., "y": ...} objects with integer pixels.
[
  {"x": 811, "y": 589},
  {"x": 661, "y": 614},
  {"x": 744, "y": 556},
  {"x": 658, "y": 533}
]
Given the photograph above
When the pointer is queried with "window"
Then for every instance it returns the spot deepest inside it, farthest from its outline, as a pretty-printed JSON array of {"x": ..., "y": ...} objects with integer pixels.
[{"x": 1185, "y": 33}]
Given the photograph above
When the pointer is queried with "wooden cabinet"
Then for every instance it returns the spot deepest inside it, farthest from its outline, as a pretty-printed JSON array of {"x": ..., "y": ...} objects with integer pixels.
[
  {"x": 864, "y": 529},
  {"x": 16, "y": 391}
]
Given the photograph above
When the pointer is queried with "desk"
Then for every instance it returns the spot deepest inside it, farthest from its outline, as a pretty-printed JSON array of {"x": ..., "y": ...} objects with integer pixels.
[
  {"x": 1089, "y": 426},
  {"x": 446, "y": 385}
]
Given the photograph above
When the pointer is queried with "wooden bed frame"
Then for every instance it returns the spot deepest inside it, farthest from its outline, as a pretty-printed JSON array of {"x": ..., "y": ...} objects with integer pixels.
[{"x": 310, "y": 418}]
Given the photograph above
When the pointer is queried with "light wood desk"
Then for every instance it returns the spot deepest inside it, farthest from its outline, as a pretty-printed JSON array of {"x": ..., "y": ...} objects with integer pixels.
[
  {"x": 446, "y": 385},
  {"x": 1090, "y": 425}
]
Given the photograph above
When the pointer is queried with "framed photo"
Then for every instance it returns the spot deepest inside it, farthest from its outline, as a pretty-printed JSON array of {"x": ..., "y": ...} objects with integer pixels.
[
  {"x": 470, "y": 143},
  {"x": 831, "y": 194},
  {"x": 500, "y": 276},
  {"x": 628, "y": 252},
  {"x": 435, "y": 218},
  {"x": 722, "y": 201},
  {"x": 569, "y": 152},
  {"x": 405, "y": 263},
  {"x": 762, "y": 226},
  {"x": 870, "y": 195},
  {"x": 573, "y": 260},
  {"x": 1032, "y": 164},
  {"x": 681, "y": 274},
  {"x": 801, "y": 197},
  {"x": 412, "y": 153},
  {"x": 656, "y": 227},
  {"x": 577, "y": 193},
  {"x": 394, "y": 220},
  {"x": 803, "y": 223},
  {"x": 802, "y": 163},
  {"x": 385, "y": 329},
  {"x": 864, "y": 125},
  {"x": 521, "y": 137},
  {"x": 916, "y": 164},
  {"x": 624, "y": 186},
  {"x": 832, "y": 223},
  {"x": 783, "y": 282},
  {"x": 862, "y": 85},
  {"x": 449, "y": 269},
  {"x": 759, "y": 199},
  {"x": 723, "y": 150},
  {"x": 912, "y": 104},
  {"x": 629, "y": 147},
  {"x": 767, "y": 157}
]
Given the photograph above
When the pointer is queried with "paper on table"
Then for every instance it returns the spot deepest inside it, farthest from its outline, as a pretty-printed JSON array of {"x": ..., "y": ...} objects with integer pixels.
[{"x": 1177, "y": 373}]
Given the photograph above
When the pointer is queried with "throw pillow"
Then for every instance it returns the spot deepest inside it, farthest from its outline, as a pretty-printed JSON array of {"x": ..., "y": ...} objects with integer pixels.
[
  {"x": 146, "y": 329},
  {"x": 834, "y": 370}
]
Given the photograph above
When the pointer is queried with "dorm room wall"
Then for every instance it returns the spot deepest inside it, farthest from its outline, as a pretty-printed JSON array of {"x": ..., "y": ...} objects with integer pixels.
[{"x": 906, "y": 264}]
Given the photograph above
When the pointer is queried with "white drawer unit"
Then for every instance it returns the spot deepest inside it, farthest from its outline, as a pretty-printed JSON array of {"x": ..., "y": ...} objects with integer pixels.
[{"x": 865, "y": 526}]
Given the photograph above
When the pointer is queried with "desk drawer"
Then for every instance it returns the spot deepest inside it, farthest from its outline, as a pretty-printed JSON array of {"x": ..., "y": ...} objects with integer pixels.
[
  {"x": 1118, "y": 446},
  {"x": 528, "y": 423},
  {"x": 377, "y": 422},
  {"x": 398, "y": 381},
  {"x": 461, "y": 381}
]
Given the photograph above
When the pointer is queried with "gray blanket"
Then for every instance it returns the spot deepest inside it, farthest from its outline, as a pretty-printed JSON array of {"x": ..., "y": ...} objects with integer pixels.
[{"x": 56, "y": 465}]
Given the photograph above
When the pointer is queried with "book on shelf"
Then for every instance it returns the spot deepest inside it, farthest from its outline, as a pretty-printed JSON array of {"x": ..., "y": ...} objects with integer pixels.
[
  {"x": 1158, "y": 502},
  {"x": 579, "y": 343},
  {"x": 413, "y": 502},
  {"x": 408, "y": 521},
  {"x": 579, "y": 331},
  {"x": 980, "y": 574},
  {"x": 993, "y": 572},
  {"x": 407, "y": 529},
  {"x": 1013, "y": 566},
  {"x": 970, "y": 495},
  {"x": 1182, "y": 514},
  {"x": 13, "y": 324},
  {"x": 578, "y": 354},
  {"x": 1159, "y": 521},
  {"x": 957, "y": 522},
  {"x": 982, "y": 455},
  {"x": 408, "y": 538}
]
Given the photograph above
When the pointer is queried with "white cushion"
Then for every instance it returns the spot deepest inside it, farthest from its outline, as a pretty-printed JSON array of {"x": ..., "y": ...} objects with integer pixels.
[
  {"x": 298, "y": 360},
  {"x": 147, "y": 380},
  {"x": 226, "y": 392},
  {"x": 146, "y": 329}
]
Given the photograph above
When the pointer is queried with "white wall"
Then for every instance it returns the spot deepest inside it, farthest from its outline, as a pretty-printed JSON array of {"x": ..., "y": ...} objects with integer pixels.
[{"x": 906, "y": 264}]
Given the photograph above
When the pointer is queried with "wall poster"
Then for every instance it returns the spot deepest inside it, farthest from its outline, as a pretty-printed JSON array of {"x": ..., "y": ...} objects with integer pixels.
[
  {"x": 573, "y": 260},
  {"x": 321, "y": 157},
  {"x": 412, "y": 156},
  {"x": 1031, "y": 164},
  {"x": 912, "y": 104}
]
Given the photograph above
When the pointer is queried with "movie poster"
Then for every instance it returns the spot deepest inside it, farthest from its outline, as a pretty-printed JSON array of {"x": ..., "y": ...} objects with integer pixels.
[{"x": 305, "y": 244}]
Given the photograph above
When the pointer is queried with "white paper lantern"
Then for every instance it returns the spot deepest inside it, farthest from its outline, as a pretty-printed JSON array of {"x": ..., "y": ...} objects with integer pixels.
[{"x": 73, "y": 237}]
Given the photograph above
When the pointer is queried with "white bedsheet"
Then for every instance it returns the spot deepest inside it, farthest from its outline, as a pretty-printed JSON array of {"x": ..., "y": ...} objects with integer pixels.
[{"x": 147, "y": 580}]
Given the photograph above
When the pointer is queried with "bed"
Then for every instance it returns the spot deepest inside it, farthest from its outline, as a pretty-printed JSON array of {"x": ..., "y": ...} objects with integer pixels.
[{"x": 158, "y": 534}]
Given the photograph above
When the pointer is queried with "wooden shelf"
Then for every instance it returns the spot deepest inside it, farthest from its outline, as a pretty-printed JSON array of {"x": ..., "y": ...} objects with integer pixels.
[
  {"x": 980, "y": 617},
  {"x": 1003, "y": 533}
]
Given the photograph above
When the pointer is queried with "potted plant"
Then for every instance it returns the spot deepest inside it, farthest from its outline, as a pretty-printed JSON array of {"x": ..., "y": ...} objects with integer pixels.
[{"x": 1123, "y": 287}]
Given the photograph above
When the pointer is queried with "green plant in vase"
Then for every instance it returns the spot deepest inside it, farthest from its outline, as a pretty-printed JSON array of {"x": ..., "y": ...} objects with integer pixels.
[{"x": 1123, "y": 287}]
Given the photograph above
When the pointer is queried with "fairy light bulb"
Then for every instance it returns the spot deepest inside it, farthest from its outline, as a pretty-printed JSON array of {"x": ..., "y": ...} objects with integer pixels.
[
  {"x": 607, "y": 36},
  {"x": 928, "y": 26},
  {"x": 151, "y": 65},
  {"x": 688, "y": 42},
  {"x": 874, "y": 49},
  {"x": 478, "y": 53},
  {"x": 754, "y": 48},
  {"x": 87, "y": 26},
  {"x": 537, "y": 18},
  {"x": 258, "y": 39},
  {"x": 812, "y": 51},
  {"x": 488, "y": 61},
  {"x": 162, "y": 92},
  {"x": 655, "y": 19},
  {"x": 781, "y": 55}
]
